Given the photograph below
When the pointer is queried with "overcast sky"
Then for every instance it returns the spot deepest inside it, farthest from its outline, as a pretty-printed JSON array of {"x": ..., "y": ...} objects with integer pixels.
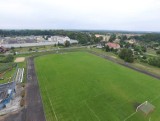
[{"x": 132, "y": 15}]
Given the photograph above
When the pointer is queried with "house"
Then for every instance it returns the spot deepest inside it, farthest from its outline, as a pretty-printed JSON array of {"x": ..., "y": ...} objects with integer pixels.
[
  {"x": 113, "y": 45},
  {"x": 98, "y": 35},
  {"x": 131, "y": 41}
]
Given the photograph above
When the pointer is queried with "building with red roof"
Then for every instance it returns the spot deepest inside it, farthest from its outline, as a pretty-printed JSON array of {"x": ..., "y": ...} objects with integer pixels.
[{"x": 113, "y": 45}]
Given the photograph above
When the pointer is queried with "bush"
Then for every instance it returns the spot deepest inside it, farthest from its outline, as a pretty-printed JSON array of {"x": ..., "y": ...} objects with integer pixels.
[
  {"x": 144, "y": 57},
  {"x": 155, "y": 61},
  {"x": 22, "y": 103},
  {"x": 67, "y": 43},
  {"x": 23, "y": 85},
  {"x": 158, "y": 51},
  {"x": 22, "y": 93},
  {"x": 107, "y": 48},
  {"x": 7, "y": 59},
  {"x": 30, "y": 49}
]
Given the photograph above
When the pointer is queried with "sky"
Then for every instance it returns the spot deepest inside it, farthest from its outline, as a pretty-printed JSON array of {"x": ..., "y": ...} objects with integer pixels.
[{"x": 131, "y": 15}]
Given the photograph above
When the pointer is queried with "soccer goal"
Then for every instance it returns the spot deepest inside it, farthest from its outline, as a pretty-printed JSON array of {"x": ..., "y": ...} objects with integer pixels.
[{"x": 145, "y": 108}]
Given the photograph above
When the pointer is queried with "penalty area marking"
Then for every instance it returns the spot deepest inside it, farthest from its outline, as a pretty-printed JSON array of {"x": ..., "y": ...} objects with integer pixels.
[{"x": 130, "y": 116}]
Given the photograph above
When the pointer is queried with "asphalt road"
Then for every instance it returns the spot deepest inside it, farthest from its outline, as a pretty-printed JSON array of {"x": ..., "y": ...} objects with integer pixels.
[{"x": 34, "y": 111}]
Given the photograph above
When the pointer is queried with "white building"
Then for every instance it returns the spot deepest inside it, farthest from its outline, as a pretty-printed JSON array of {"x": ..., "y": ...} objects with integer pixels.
[
  {"x": 39, "y": 38},
  {"x": 61, "y": 39}
]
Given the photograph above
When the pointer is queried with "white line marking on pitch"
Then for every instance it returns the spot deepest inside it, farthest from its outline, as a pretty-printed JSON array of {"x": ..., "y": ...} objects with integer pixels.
[
  {"x": 155, "y": 98},
  {"x": 92, "y": 111},
  {"x": 130, "y": 116},
  {"x": 50, "y": 100},
  {"x": 51, "y": 105}
]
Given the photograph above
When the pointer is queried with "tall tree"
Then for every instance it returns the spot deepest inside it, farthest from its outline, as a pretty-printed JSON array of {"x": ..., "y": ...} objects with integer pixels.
[
  {"x": 112, "y": 38},
  {"x": 126, "y": 55}
]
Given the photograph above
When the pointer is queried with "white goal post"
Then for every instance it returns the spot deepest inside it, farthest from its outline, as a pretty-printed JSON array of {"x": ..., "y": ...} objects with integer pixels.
[{"x": 145, "y": 103}]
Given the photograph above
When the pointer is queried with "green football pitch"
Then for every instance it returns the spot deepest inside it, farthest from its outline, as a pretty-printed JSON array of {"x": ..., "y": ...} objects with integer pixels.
[{"x": 78, "y": 86}]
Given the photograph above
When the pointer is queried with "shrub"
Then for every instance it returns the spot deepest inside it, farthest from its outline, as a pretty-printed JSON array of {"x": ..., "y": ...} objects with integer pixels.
[
  {"x": 23, "y": 93},
  {"x": 22, "y": 103}
]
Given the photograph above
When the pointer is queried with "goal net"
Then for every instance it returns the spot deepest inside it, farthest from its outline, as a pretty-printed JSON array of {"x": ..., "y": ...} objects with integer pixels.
[{"x": 145, "y": 108}]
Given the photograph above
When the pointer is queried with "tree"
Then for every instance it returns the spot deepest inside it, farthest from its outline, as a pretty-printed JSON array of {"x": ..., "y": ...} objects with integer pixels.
[
  {"x": 137, "y": 48},
  {"x": 123, "y": 37},
  {"x": 123, "y": 53},
  {"x": 129, "y": 56},
  {"x": 67, "y": 43},
  {"x": 30, "y": 49},
  {"x": 112, "y": 38},
  {"x": 98, "y": 39},
  {"x": 12, "y": 48},
  {"x": 158, "y": 51},
  {"x": 8, "y": 58},
  {"x": 126, "y": 55},
  {"x": 107, "y": 48},
  {"x": 144, "y": 49},
  {"x": 155, "y": 61}
]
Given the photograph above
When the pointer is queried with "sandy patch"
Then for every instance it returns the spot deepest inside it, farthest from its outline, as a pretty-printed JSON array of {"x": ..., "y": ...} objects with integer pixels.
[
  {"x": 19, "y": 59},
  {"x": 113, "y": 57}
]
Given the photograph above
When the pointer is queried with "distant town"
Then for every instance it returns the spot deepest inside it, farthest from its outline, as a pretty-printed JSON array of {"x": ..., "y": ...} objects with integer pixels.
[
  {"x": 86, "y": 68},
  {"x": 26, "y": 41}
]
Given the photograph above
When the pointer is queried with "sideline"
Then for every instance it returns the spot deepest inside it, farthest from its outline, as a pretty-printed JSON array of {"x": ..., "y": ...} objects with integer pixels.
[{"x": 123, "y": 64}]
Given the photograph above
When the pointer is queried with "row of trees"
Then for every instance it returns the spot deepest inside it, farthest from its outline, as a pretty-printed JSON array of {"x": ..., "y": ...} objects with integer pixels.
[{"x": 148, "y": 37}]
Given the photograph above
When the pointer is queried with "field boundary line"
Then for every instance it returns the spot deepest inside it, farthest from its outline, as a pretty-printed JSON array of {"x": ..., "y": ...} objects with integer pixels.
[
  {"x": 155, "y": 98},
  {"x": 92, "y": 111},
  {"x": 51, "y": 105},
  {"x": 43, "y": 76},
  {"x": 45, "y": 91},
  {"x": 51, "y": 102},
  {"x": 130, "y": 116}
]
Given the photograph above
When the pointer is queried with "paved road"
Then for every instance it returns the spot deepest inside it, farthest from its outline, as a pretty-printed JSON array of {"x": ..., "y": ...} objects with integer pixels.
[
  {"x": 34, "y": 108},
  {"x": 34, "y": 111}
]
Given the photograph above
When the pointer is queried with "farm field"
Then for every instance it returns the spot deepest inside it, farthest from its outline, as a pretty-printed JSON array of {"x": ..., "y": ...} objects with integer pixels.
[{"x": 79, "y": 86}]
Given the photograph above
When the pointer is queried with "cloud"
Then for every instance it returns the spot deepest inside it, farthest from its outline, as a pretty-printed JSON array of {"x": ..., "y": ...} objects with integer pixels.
[{"x": 80, "y": 14}]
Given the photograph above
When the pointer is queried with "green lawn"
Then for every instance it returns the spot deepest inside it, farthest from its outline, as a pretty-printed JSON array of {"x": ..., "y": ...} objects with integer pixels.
[
  {"x": 79, "y": 86},
  {"x": 5, "y": 73}
]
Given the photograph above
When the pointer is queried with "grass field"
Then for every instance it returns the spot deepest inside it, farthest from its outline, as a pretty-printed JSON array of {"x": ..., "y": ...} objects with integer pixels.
[
  {"x": 5, "y": 73},
  {"x": 79, "y": 86}
]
